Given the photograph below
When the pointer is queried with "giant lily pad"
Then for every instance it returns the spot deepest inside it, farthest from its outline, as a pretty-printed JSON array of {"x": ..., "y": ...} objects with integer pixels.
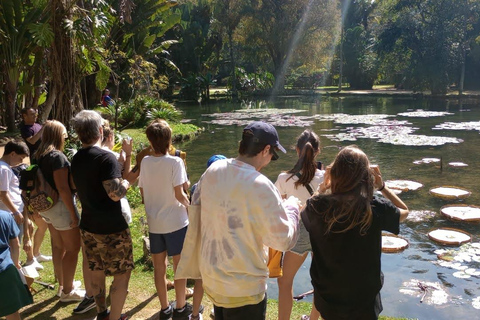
[
  {"x": 450, "y": 192},
  {"x": 392, "y": 243},
  {"x": 449, "y": 236},
  {"x": 471, "y": 125},
  {"x": 403, "y": 185},
  {"x": 461, "y": 212}
]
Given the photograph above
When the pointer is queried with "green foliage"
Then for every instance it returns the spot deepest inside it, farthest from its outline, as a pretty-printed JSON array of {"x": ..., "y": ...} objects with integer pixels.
[
  {"x": 254, "y": 81},
  {"x": 134, "y": 197}
]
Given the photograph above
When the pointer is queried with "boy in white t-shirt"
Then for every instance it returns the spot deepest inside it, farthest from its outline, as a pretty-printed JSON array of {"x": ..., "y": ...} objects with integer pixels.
[{"x": 162, "y": 182}]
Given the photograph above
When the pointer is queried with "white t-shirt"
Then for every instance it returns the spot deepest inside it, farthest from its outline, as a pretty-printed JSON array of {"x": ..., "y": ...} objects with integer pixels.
[
  {"x": 241, "y": 211},
  {"x": 158, "y": 178},
  {"x": 9, "y": 182},
  {"x": 287, "y": 188}
]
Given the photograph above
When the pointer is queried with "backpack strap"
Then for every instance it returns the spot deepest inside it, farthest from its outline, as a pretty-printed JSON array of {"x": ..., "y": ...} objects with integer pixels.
[{"x": 309, "y": 188}]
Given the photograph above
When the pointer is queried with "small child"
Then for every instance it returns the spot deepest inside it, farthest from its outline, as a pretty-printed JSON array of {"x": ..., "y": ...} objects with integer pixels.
[
  {"x": 162, "y": 182},
  {"x": 10, "y": 193}
]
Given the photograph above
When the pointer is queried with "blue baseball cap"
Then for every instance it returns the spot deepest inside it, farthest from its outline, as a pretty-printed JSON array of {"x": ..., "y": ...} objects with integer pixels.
[
  {"x": 215, "y": 158},
  {"x": 265, "y": 133}
]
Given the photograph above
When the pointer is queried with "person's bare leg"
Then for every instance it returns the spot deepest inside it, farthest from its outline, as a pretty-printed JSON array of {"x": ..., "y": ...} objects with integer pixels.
[
  {"x": 71, "y": 243},
  {"x": 180, "y": 285},
  {"x": 39, "y": 233},
  {"x": 14, "y": 316},
  {"x": 160, "y": 276},
  {"x": 58, "y": 252},
  {"x": 29, "y": 249},
  {"x": 291, "y": 263},
  {"x": 97, "y": 285},
  {"x": 197, "y": 297},
  {"x": 314, "y": 314},
  {"x": 118, "y": 294}
]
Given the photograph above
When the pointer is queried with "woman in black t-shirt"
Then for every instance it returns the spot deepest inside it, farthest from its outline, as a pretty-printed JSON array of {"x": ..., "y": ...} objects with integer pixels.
[
  {"x": 63, "y": 217},
  {"x": 345, "y": 229}
]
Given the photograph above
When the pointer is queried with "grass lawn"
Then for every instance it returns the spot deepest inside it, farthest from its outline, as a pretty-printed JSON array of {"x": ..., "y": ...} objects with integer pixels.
[{"x": 142, "y": 302}]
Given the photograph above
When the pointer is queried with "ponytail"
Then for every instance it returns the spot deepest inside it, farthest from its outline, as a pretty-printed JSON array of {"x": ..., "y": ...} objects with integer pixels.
[{"x": 308, "y": 143}]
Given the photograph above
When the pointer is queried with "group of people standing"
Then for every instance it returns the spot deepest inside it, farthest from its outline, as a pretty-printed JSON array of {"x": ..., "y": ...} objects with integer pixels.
[{"x": 330, "y": 212}]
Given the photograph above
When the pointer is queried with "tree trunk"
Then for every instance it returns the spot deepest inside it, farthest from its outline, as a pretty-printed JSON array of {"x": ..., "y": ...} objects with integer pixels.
[
  {"x": 10, "y": 98},
  {"x": 232, "y": 63}
]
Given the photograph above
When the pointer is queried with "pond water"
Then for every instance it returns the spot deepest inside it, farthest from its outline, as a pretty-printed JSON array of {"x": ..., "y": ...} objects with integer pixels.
[{"x": 416, "y": 264}]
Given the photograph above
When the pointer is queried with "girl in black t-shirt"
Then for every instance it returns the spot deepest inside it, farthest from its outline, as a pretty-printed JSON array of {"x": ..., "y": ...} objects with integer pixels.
[
  {"x": 345, "y": 222},
  {"x": 62, "y": 218}
]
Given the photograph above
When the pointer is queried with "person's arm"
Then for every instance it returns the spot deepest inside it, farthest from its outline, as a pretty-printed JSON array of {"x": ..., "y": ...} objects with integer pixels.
[
  {"x": 15, "y": 251},
  {"x": 33, "y": 139},
  {"x": 61, "y": 178},
  {"x": 379, "y": 184},
  {"x": 181, "y": 196},
  {"x": 116, "y": 188},
  {"x": 127, "y": 147},
  {"x": 17, "y": 215}
]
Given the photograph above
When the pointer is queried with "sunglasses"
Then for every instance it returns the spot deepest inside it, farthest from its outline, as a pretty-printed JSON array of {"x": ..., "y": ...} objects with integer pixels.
[{"x": 274, "y": 153}]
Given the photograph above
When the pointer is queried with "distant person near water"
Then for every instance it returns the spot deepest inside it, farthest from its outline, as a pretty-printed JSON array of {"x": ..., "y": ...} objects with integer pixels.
[
  {"x": 106, "y": 99},
  {"x": 345, "y": 222}
]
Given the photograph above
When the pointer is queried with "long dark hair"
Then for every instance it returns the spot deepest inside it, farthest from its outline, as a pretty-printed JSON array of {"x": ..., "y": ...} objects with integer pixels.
[
  {"x": 308, "y": 144},
  {"x": 352, "y": 192}
]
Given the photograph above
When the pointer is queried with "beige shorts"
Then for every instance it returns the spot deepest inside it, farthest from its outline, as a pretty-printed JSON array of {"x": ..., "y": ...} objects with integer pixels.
[{"x": 59, "y": 216}]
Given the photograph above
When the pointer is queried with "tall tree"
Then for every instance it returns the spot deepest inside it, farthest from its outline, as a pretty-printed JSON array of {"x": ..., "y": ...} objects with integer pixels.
[
  {"x": 24, "y": 33},
  {"x": 279, "y": 27}
]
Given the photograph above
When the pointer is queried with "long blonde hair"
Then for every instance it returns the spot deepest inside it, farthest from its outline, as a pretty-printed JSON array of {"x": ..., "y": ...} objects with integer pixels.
[
  {"x": 52, "y": 138},
  {"x": 352, "y": 192}
]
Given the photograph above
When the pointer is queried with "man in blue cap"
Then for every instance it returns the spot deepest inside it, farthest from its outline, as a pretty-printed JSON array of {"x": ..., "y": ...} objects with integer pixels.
[{"x": 241, "y": 212}]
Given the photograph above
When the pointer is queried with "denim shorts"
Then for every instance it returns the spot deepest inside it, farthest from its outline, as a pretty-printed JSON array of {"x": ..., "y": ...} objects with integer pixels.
[
  {"x": 171, "y": 242},
  {"x": 59, "y": 216},
  {"x": 303, "y": 243}
]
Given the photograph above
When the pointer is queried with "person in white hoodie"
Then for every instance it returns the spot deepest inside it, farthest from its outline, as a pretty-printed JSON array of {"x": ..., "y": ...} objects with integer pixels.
[{"x": 242, "y": 212}]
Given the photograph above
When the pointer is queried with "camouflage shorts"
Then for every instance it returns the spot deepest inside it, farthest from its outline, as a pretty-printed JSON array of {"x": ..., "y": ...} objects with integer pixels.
[{"x": 112, "y": 253}]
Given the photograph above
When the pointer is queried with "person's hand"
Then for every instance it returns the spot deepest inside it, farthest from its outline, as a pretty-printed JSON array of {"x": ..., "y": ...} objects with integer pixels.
[
  {"x": 18, "y": 217},
  {"x": 127, "y": 146},
  {"x": 378, "y": 182}
]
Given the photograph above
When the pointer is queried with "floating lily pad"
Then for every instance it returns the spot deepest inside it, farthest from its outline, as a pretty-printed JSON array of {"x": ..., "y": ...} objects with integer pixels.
[
  {"x": 431, "y": 293},
  {"x": 421, "y": 215},
  {"x": 424, "y": 114},
  {"x": 449, "y": 236},
  {"x": 419, "y": 140},
  {"x": 457, "y": 164},
  {"x": 403, "y": 185},
  {"x": 462, "y": 212},
  {"x": 450, "y": 192},
  {"x": 461, "y": 275},
  {"x": 276, "y": 117},
  {"x": 471, "y": 125},
  {"x": 392, "y": 243},
  {"x": 427, "y": 160},
  {"x": 476, "y": 303}
]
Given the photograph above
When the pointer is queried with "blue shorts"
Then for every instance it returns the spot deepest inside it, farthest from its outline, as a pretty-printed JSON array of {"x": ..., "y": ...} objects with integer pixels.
[{"x": 171, "y": 242}]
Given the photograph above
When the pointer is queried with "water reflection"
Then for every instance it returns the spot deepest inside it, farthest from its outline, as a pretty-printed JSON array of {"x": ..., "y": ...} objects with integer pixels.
[{"x": 396, "y": 162}]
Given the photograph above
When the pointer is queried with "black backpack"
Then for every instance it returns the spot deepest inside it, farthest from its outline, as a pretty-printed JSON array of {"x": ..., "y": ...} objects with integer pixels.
[{"x": 37, "y": 194}]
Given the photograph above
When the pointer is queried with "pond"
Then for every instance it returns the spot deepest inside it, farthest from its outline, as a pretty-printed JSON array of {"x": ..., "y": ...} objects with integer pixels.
[{"x": 332, "y": 119}]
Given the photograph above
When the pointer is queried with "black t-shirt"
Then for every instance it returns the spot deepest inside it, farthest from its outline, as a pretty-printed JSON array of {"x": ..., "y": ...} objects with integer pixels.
[
  {"x": 100, "y": 214},
  {"x": 345, "y": 270},
  {"x": 51, "y": 162}
]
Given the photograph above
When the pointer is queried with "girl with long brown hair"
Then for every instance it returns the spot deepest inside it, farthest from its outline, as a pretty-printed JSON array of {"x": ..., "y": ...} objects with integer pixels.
[
  {"x": 345, "y": 229},
  {"x": 300, "y": 181},
  {"x": 62, "y": 218}
]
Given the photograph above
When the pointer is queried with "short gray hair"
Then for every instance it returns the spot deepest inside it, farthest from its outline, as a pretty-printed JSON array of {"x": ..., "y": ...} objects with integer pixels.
[{"x": 87, "y": 124}]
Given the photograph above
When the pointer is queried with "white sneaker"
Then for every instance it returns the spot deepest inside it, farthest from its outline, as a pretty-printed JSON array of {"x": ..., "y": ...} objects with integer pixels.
[
  {"x": 200, "y": 317},
  {"x": 74, "y": 295},
  {"x": 43, "y": 258},
  {"x": 34, "y": 263},
  {"x": 76, "y": 284}
]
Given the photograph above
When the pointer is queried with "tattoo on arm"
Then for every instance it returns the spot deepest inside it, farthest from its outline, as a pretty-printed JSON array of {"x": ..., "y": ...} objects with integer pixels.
[{"x": 115, "y": 188}]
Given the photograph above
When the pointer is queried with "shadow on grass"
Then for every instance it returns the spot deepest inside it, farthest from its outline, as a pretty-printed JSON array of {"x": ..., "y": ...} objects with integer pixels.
[
  {"x": 33, "y": 309},
  {"x": 142, "y": 305}
]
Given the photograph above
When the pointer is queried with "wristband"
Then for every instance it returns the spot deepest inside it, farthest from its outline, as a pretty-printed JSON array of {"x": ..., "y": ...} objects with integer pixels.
[
  {"x": 383, "y": 186},
  {"x": 16, "y": 213}
]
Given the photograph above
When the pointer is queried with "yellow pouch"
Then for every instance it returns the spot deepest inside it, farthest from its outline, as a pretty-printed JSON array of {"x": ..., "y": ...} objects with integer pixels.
[{"x": 275, "y": 263}]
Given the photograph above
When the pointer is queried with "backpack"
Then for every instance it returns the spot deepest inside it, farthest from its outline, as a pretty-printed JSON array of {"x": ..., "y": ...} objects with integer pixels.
[{"x": 37, "y": 194}]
